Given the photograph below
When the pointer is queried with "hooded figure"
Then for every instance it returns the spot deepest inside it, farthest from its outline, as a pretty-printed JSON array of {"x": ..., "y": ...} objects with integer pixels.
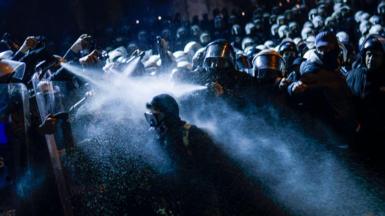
[
  {"x": 220, "y": 73},
  {"x": 322, "y": 88}
]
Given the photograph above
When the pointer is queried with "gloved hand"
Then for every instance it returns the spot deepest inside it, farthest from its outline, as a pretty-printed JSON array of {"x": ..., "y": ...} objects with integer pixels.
[
  {"x": 299, "y": 87},
  {"x": 48, "y": 125},
  {"x": 91, "y": 58},
  {"x": 216, "y": 88},
  {"x": 283, "y": 83},
  {"x": 84, "y": 41},
  {"x": 29, "y": 43}
]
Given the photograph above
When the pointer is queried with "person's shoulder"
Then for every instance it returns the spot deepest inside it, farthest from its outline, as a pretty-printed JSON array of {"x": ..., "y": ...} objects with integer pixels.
[
  {"x": 195, "y": 129},
  {"x": 309, "y": 66},
  {"x": 244, "y": 77},
  {"x": 196, "y": 132},
  {"x": 356, "y": 72}
]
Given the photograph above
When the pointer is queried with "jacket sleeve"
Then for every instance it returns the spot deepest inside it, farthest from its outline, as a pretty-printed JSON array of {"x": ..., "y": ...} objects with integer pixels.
[{"x": 71, "y": 55}]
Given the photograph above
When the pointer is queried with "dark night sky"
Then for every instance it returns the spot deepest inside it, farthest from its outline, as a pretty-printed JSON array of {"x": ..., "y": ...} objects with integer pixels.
[
  {"x": 55, "y": 17},
  {"x": 42, "y": 16}
]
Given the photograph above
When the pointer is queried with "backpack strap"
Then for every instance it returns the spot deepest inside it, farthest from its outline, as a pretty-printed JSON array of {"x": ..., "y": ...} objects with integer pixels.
[{"x": 186, "y": 131}]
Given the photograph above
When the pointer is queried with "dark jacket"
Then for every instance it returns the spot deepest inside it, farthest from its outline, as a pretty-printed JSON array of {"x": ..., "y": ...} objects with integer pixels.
[
  {"x": 327, "y": 95},
  {"x": 213, "y": 184},
  {"x": 31, "y": 60},
  {"x": 369, "y": 97}
]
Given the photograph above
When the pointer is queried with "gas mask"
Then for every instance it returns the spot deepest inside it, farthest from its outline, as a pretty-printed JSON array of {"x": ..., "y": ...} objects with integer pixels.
[
  {"x": 154, "y": 119},
  {"x": 163, "y": 114},
  {"x": 156, "y": 122}
]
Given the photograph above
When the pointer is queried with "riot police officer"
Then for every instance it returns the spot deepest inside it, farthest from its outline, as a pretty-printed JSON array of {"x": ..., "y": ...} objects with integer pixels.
[
  {"x": 219, "y": 72},
  {"x": 288, "y": 50},
  {"x": 268, "y": 67}
]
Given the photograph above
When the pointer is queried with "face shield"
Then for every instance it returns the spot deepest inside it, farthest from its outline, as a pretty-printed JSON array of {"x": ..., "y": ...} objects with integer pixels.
[
  {"x": 8, "y": 67},
  {"x": 373, "y": 42},
  {"x": 219, "y": 56},
  {"x": 268, "y": 65},
  {"x": 216, "y": 63},
  {"x": 49, "y": 96},
  {"x": 288, "y": 51}
]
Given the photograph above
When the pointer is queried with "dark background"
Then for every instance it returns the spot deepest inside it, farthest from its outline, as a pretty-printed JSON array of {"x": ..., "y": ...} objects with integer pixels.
[{"x": 56, "y": 18}]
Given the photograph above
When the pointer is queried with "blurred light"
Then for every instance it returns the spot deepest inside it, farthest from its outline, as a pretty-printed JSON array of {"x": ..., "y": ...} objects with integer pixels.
[
  {"x": 159, "y": 18},
  {"x": 137, "y": 22},
  {"x": 243, "y": 13}
]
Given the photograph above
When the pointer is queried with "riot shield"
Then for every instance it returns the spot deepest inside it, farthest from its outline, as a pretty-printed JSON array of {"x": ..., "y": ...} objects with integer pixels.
[
  {"x": 114, "y": 166},
  {"x": 14, "y": 147},
  {"x": 49, "y": 99}
]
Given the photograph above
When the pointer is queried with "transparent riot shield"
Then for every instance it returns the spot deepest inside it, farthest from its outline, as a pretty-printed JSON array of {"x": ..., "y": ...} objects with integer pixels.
[
  {"x": 14, "y": 147},
  {"x": 53, "y": 99},
  {"x": 49, "y": 99},
  {"x": 114, "y": 166}
]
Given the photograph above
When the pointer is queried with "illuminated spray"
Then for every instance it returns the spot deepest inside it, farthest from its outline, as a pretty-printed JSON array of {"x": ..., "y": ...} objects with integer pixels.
[
  {"x": 298, "y": 170},
  {"x": 118, "y": 106}
]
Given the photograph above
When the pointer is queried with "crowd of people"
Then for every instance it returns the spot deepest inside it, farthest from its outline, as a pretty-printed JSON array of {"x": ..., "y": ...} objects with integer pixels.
[
  {"x": 327, "y": 60},
  {"x": 325, "y": 63}
]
